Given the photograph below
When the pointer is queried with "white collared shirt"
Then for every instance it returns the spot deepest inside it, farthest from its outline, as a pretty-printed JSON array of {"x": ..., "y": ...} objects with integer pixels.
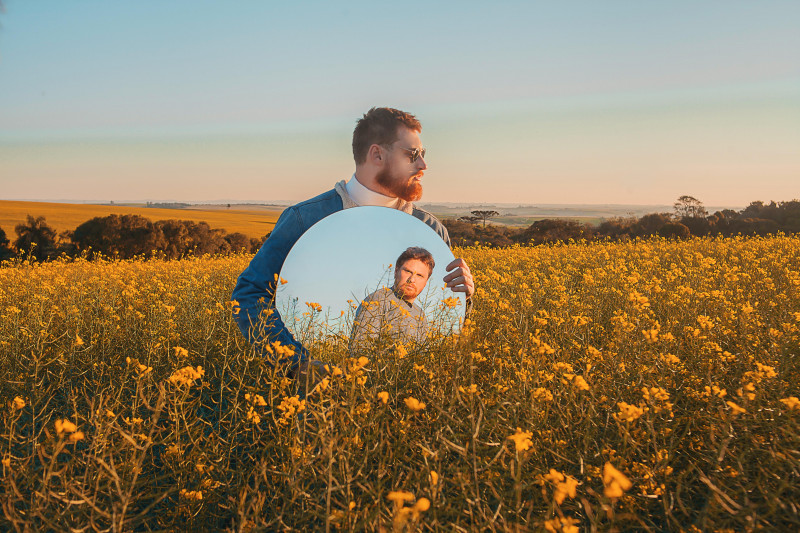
[{"x": 364, "y": 196}]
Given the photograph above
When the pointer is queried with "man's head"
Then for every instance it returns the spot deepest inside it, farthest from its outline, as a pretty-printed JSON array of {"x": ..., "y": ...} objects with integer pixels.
[
  {"x": 411, "y": 272},
  {"x": 389, "y": 154}
]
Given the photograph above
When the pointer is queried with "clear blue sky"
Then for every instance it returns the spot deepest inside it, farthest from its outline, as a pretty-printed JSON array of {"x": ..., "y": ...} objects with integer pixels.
[{"x": 529, "y": 102}]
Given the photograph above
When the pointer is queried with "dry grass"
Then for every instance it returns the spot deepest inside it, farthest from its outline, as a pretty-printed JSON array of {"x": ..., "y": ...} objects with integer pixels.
[
  {"x": 254, "y": 223},
  {"x": 625, "y": 386}
]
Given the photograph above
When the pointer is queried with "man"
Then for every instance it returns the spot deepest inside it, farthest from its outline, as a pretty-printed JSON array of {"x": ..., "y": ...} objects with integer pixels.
[
  {"x": 391, "y": 312},
  {"x": 390, "y": 163}
]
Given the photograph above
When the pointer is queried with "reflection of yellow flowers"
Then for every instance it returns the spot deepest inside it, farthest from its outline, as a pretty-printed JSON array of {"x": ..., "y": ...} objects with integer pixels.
[
  {"x": 383, "y": 396},
  {"x": 616, "y": 483},
  {"x": 414, "y": 404},
  {"x": 522, "y": 439},
  {"x": 450, "y": 303}
]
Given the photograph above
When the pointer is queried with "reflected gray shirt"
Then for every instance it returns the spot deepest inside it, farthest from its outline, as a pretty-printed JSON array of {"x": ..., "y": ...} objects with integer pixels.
[{"x": 383, "y": 314}]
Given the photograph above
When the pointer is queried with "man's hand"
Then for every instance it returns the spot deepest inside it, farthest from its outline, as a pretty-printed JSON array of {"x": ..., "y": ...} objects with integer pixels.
[
  {"x": 309, "y": 375},
  {"x": 460, "y": 279}
]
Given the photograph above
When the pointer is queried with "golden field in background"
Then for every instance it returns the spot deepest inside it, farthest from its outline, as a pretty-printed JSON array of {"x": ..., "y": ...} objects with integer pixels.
[
  {"x": 253, "y": 221},
  {"x": 648, "y": 385}
]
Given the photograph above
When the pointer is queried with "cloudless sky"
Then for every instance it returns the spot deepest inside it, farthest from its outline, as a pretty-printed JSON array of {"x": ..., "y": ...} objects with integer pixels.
[{"x": 522, "y": 102}]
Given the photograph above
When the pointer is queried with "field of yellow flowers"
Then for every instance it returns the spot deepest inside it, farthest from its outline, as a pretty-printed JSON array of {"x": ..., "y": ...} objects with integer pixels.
[{"x": 648, "y": 385}]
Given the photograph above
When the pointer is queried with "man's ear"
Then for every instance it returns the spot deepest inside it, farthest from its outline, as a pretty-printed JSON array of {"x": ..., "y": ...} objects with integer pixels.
[{"x": 375, "y": 155}]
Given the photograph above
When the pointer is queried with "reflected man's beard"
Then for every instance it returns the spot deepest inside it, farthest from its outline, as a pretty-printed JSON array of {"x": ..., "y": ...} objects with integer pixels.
[{"x": 410, "y": 191}]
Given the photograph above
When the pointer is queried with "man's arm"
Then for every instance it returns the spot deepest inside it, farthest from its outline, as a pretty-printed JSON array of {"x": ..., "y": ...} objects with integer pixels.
[{"x": 255, "y": 288}]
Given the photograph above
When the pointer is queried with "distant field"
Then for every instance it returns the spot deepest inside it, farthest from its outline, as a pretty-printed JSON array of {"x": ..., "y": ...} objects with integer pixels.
[
  {"x": 253, "y": 221},
  {"x": 523, "y": 222}
]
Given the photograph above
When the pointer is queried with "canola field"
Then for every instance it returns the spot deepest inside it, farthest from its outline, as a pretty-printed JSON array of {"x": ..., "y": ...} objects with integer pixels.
[{"x": 640, "y": 386}]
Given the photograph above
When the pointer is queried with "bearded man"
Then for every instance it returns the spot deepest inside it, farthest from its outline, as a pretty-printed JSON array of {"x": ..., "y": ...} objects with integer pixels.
[
  {"x": 390, "y": 164},
  {"x": 392, "y": 313}
]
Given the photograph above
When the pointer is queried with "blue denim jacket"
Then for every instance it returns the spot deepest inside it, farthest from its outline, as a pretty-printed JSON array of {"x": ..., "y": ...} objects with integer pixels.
[{"x": 255, "y": 288}]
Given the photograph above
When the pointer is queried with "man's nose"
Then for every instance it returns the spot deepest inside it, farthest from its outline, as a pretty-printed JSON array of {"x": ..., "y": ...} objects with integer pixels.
[{"x": 421, "y": 164}]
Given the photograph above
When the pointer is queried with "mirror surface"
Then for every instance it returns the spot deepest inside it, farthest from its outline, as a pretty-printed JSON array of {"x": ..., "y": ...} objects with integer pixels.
[{"x": 348, "y": 256}]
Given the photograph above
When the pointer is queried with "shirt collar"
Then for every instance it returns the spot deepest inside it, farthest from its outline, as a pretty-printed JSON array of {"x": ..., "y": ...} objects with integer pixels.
[{"x": 364, "y": 196}]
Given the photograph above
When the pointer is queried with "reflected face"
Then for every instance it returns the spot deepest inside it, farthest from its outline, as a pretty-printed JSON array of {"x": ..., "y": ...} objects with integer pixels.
[
  {"x": 401, "y": 176},
  {"x": 411, "y": 278}
]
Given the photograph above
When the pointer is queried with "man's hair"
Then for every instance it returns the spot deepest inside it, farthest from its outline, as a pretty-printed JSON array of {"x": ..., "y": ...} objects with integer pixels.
[
  {"x": 379, "y": 126},
  {"x": 415, "y": 252}
]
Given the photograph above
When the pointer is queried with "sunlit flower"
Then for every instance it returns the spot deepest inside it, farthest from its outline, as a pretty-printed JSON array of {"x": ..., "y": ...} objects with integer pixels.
[
  {"x": 616, "y": 483},
  {"x": 791, "y": 402},
  {"x": 383, "y": 396},
  {"x": 735, "y": 408},
  {"x": 414, "y": 404},
  {"x": 522, "y": 440}
]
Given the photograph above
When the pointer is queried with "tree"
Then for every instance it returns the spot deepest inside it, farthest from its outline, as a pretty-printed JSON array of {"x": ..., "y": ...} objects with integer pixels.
[
  {"x": 674, "y": 230},
  {"x": 484, "y": 215},
  {"x": 121, "y": 235},
  {"x": 5, "y": 249},
  {"x": 689, "y": 207},
  {"x": 470, "y": 219},
  {"x": 36, "y": 238}
]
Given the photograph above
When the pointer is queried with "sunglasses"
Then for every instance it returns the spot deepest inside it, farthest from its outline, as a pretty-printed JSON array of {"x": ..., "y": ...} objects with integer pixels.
[{"x": 415, "y": 153}]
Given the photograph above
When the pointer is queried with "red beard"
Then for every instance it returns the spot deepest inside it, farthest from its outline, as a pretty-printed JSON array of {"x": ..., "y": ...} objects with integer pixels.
[{"x": 410, "y": 191}]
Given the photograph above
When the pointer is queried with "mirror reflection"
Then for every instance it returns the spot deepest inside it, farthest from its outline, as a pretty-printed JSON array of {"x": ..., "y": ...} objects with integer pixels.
[{"x": 368, "y": 273}]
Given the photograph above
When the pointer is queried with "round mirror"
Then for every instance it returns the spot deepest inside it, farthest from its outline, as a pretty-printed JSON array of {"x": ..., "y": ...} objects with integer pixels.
[{"x": 342, "y": 277}]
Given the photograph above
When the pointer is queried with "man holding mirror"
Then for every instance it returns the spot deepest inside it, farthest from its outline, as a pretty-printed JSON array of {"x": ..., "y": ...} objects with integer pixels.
[
  {"x": 390, "y": 163},
  {"x": 392, "y": 312}
]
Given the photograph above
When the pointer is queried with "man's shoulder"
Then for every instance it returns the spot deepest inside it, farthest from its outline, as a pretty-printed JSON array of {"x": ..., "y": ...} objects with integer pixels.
[
  {"x": 381, "y": 294},
  {"x": 434, "y": 223},
  {"x": 424, "y": 215},
  {"x": 330, "y": 197},
  {"x": 309, "y": 212}
]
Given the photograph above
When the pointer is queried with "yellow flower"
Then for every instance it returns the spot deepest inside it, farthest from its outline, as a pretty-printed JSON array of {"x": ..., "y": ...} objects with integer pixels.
[
  {"x": 542, "y": 394},
  {"x": 192, "y": 494},
  {"x": 522, "y": 439},
  {"x": 563, "y": 525},
  {"x": 791, "y": 402},
  {"x": 78, "y": 340},
  {"x": 579, "y": 382},
  {"x": 423, "y": 504},
  {"x": 414, "y": 404},
  {"x": 65, "y": 426},
  {"x": 628, "y": 412},
  {"x": 75, "y": 437},
  {"x": 7, "y": 462},
  {"x": 434, "y": 478},
  {"x": 383, "y": 396},
  {"x": 186, "y": 375},
  {"x": 616, "y": 483},
  {"x": 399, "y": 497},
  {"x": 567, "y": 488},
  {"x": 554, "y": 476},
  {"x": 735, "y": 408},
  {"x": 17, "y": 403}
]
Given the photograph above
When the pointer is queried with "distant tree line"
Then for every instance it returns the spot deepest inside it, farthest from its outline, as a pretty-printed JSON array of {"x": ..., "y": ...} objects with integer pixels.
[
  {"x": 689, "y": 218},
  {"x": 127, "y": 236},
  {"x": 124, "y": 236}
]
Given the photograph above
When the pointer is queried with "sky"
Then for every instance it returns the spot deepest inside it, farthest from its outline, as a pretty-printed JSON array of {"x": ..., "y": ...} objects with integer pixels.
[{"x": 588, "y": 102}]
